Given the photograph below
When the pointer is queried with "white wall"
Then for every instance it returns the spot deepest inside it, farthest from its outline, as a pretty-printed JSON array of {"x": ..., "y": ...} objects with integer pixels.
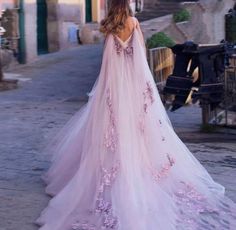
[{"x": 30, "y": 10}]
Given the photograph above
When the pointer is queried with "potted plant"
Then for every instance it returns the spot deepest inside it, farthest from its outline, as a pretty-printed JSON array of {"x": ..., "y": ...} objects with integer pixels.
[
  {"x": 159, "y": 39},
  {"x": 182, "y": 15}
]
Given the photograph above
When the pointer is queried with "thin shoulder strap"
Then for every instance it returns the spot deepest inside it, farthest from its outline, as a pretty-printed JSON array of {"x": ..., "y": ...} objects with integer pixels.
[
  {"x": 137, "y": 26},
  {"x": 135, "y": 21}
]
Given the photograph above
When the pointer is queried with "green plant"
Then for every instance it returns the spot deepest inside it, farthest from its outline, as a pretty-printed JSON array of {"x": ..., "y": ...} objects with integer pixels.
[
  {"x": 181, "y": 16},
  {"x": 159, "y": 40}
]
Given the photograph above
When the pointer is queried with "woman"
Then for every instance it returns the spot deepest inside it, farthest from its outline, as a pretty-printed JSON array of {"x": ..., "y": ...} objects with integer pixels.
[{"x": 118, "y": 164}]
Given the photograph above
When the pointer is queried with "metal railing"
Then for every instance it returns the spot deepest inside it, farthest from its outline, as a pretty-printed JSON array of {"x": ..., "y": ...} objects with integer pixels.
[
  {"x": 225, "y": 113},
  {"x": 161, "y": 62}
]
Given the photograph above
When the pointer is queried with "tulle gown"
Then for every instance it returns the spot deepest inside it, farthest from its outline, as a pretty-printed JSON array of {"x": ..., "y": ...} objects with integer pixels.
[{"x": 118, "y": 164}]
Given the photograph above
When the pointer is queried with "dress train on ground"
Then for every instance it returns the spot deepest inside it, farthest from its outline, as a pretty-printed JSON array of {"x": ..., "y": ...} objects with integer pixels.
[{"x": 118, "y": 164}]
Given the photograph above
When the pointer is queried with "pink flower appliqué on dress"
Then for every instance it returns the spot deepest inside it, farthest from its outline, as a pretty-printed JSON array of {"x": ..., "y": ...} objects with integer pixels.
[
  {"x": 163, "y": 172},
  {"x": 118, "y": 46},
  {"x": 111, "y": 136},
  {"x": 193, "y": 203},
  {"x": 103, "y": 206},
  {"x": 148, "y": 99},
  {"x": 148, "y": 96},
  {"x": 128, "y": 50}
]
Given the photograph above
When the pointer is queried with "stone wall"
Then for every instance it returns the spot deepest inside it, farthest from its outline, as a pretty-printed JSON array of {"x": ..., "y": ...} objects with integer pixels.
[
  {"x": 213, "y": 17},
  {"x": 207, "y": 24},
  {"x": 63, "y": 18},
  {"x": 195, "y": 29},
  {"x": 30, "y": 30},
  {"x": 149, "y": 2}
]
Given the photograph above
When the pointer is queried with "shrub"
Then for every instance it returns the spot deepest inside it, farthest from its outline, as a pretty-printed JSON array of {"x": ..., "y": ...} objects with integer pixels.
[
  {"x": 181, "y": 16},
  {"x": 159, "y": 40}
]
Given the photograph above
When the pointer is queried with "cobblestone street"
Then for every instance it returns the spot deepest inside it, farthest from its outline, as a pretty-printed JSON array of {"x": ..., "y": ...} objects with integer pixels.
[{"x": 50, "y": 91}]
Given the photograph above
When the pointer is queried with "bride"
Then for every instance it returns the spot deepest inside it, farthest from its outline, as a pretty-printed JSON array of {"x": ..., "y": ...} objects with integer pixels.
[{"x": 118, "y": 164}]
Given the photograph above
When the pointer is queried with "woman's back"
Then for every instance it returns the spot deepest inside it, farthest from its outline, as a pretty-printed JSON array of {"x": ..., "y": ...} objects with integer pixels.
[{"x": 130, "y": 25}]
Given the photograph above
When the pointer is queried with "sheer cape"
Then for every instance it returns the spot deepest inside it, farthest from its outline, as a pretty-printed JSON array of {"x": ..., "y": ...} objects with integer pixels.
[{"x": 118, "y": 164}]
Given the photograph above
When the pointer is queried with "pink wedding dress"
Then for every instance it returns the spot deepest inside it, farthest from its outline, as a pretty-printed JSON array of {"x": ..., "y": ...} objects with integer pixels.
[{"x": 118, "y": 164}]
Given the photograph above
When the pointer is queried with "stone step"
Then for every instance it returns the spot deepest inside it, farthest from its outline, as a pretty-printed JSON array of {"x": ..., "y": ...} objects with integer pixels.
[
  {"x": 169, "y": 1},
  {"x": 164, "y": 5},
  {"x": 154, "y": 9},
  {"x": 158, "y": 10},
  {"x": 148, "y": 16}
]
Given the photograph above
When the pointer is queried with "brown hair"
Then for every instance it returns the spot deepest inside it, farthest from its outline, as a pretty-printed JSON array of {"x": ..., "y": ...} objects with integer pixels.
[{"x": 118, "y": 13}]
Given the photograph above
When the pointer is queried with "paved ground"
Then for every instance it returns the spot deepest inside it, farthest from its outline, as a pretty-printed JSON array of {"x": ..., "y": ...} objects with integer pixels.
[{"x": 49, "y": 92}]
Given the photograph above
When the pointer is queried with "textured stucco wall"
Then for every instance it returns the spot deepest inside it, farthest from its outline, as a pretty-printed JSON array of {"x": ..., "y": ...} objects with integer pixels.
[
  {"x": 196, "y": 28},
  {"x": 67, "y": 14},
  {"x": 30, "y": 30},
  {"x": 214, "y": 17},
  {"x": 207, "y": 24},
  {"x": 70, "y": 14},
  {"x": 64, "y": 14},
  {"x": 53, "y": 26}
]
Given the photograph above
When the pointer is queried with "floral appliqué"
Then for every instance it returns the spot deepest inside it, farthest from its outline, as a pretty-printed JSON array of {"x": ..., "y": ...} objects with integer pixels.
[
  {"x": 103, "y": 206},
  {"x": 128, "y": 50},
  {"x": 163, "y": 172},
  {"x": 148, "y": 99},
  {"x": 193, "y": 203},
  {"x": 148, "y": 96},
  {"x": 111, "y": 137}
]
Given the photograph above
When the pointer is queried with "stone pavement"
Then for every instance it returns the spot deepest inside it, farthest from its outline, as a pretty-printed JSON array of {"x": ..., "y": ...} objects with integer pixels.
[{"x": 50, "y": 91}]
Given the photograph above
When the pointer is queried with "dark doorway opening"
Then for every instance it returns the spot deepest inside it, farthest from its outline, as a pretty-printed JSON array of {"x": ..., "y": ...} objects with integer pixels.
[
  {"x": 88, "y": 10},
  {"x": 42, "y": 35}
]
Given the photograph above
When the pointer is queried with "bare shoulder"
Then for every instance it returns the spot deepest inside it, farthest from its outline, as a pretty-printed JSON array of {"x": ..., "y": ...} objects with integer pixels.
[
  {"x": 136, "y": 21},
  {"x": 132, "y": 19},
  {"x": 132, "y": 22}
]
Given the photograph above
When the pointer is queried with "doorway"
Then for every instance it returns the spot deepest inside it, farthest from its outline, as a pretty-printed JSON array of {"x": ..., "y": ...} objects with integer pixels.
[
  {"x": 88, "y": 10},
  {"x": 42, "y": 35}
]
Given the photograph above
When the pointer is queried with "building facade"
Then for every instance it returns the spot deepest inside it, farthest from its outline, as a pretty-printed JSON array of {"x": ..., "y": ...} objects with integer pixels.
[
  {"x": 49, "y": 25},
  {"x": 45, "y": 26},
  {"x": 55, "y": 23}
]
